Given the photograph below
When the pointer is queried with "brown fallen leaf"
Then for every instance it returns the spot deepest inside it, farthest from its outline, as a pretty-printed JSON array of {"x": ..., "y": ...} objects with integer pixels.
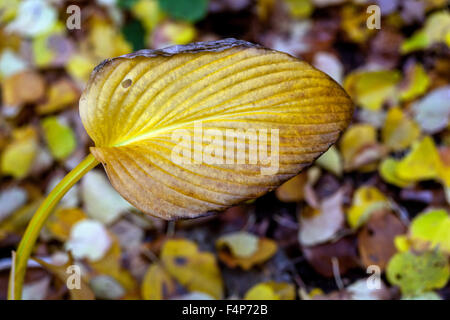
[
  {"x": 320, "y": 257},
  {"x": 376, "y": 238},
  {"x": 84, "y": 292},
  {"x": 23, "y": 87}
]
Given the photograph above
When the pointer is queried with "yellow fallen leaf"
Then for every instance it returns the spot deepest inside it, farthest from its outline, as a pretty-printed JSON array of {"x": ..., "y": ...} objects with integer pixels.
[
  {"x": 60, "y": 137},
  {"x": 366, "y": 200},
  {"x": 421, "y": 163},
  {"x": 166, "y": 98},
  {"x": 354, "y": 141},
  {"x": 292, "y": 190},
  {"x": 417, "y": 84},
  {"x": 242, "y": 244},
  {"x": 399, "y": 132},
  {"x": 195, "y": 270},
  {"x": 371, "y": 89},
  {"x": 431, "y": 230},
  {"x": 271, "y": 291},
  {"x": 60, "y": 95},
  {"x": 331, "y": 161},
  {"x": 157, "y": 283},
  {"x": 105, "y": 40},
  {"x": 388, "y": 171},
  {"x": 111, "y": 265},
  {"x": 418, "y": 273},
  {"x": 62, "y": 220},
  {"x": 18, "y": 156},
  {"x": 266, "y": 248}
]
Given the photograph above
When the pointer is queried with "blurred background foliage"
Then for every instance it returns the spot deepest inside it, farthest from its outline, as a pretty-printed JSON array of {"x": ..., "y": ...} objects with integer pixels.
[{"x": 380, "y": 197}]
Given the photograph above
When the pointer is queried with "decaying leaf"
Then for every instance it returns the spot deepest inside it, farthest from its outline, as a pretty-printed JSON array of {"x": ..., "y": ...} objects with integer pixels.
[
  {"x": 418, "y": 273},
  {"x": 163, "y": 97},
  {"x": 157, "y": 284},
  {"x": 376, "y": 238},
  {"x": 431, "y": 230},
  {"x": 366, "y": 201},
  {"x": 321, "y": 225},
  {"x": 81, "y": 290},
  {"x": 195, "y": 270},
  {"x": 245, "y": 250}
]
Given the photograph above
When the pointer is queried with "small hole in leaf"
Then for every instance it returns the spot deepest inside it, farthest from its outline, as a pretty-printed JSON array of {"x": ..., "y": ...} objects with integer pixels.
[
  {"x": 126, "y": 83},
  {"x": 181, "y": 261},
  {"x": 398, "y": 276}
]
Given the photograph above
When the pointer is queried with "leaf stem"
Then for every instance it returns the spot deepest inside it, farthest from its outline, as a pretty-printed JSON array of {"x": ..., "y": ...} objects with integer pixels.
[{"x": 37, "y": 222}]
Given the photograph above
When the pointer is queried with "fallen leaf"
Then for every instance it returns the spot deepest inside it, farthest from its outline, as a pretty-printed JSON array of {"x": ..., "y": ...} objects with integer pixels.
[
  {"x": 60, "y": 137},
  {"x": 292, "y": 190},
  {"x": 256, "y": 250},
  {"x": 60, "y": 223},
  {"x": 399, "y": 132},
  {"x": 271, "y": 291},
  {"x": 371, "y": 89},
  {"x": 418, "y": 273},
  {"x": 88, "y": 239},
  {"x": 432, "y": 112},
  {"x": 23, "y": 87},
  {"x": 63, "y": 273},
  {"x": 321, "y": 225},
  {"x": 376, "y": 238},
  {"x": 366, "y": 201},
  {"x": 193, "y": 269},
  {"x": 157, "y": 284},
  {"x": 431, "y": 230},
  {"x": 18, "y": 156}
]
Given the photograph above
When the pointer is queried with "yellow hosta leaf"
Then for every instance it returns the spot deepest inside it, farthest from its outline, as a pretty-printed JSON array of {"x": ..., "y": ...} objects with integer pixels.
[
  {"x": 431, "y": 230},
  {"x": 366, "y": 200},
  {"x": 157, "y": 283},
  {"x": 399, "y": 132},
  {"x": 195, "y": 270},
  {"x": 159, "y": 120},
  {"x": 271, "y": 291},
  {"x": 371, "y": 89},
  {"x": 18, "y": 156}
]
